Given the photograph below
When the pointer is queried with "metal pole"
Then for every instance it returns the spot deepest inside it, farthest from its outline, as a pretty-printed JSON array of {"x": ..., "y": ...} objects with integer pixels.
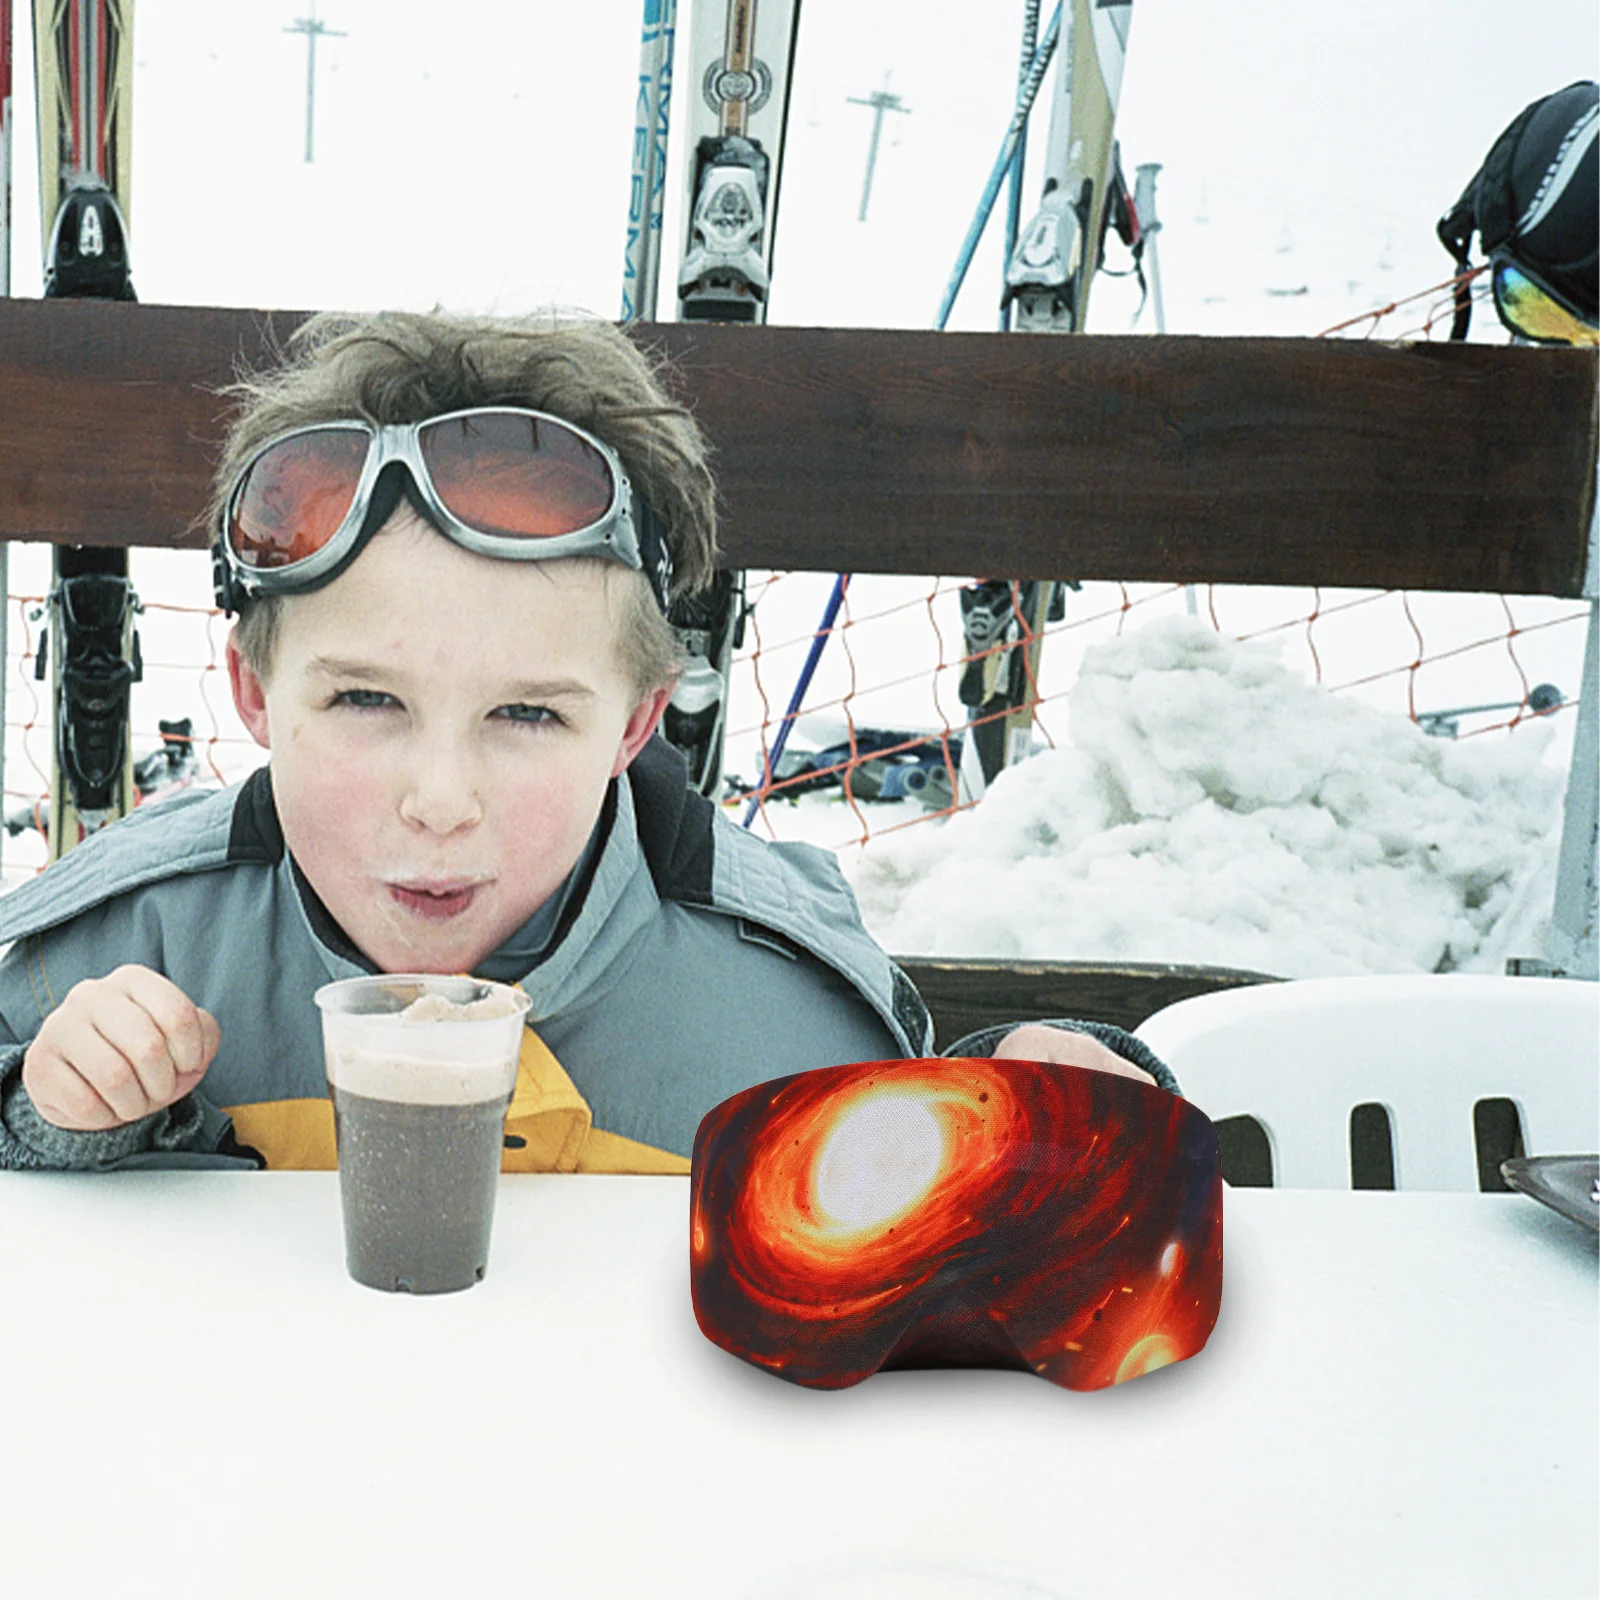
[
  {"x": 1573, "y": 946},
  {"x": 661, "y": 113},
  {"x": 1144, "y": 203},
  {"x": 872, "y": 159},
  {"x": 802, "y": 683},
  {"x": 311, "y": 88},
  {"x": 5, "y": 147},
  {"x": 5, "y": 289},
  {"x": 313, "y": 30},
  {"x": 880, "y": 102}
]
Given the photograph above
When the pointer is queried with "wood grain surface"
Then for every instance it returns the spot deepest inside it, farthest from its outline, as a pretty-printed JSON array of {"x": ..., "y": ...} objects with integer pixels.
[{"x": 1296, "y": 461}]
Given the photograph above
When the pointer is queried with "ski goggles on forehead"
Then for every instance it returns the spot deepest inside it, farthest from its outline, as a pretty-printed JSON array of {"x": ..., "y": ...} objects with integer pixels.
[
  {"x": 501, "y": 481},
  {"x": 1532, "y": 310},
  {"x": 951, "y": 1213}
]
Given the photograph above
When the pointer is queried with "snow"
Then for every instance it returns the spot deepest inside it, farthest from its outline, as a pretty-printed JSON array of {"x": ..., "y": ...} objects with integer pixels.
[{"x": 1211, "y": 807}]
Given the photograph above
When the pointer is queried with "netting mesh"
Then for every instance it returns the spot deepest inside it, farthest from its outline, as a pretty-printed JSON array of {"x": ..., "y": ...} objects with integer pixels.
[
  {"x": 1427, "y": 314},
  {"x": 1463, "y": 666},
  {"x": 874, "y": 745}
]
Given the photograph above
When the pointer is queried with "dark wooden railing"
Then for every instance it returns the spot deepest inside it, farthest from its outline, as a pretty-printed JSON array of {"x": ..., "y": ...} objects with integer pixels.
[{"x": 1259, "y": 461}]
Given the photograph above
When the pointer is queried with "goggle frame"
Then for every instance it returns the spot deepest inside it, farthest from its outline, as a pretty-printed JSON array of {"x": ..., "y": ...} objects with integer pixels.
[
  {"x": 1586, "y": 329},
  {"x": 615, "y": 536}
]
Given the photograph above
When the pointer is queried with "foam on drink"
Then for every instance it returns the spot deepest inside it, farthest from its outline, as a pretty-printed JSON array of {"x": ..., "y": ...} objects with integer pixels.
[{"x": 435, "y": 1050}]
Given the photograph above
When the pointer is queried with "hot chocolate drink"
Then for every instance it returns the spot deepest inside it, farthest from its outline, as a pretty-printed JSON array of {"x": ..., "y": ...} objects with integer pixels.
[{"x": 420, "y": 1071}]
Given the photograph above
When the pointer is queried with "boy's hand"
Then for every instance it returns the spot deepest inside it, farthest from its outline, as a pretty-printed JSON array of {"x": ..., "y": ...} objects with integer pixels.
[
  {"x": 116, "y": 1049},
  {"x": 1034, "y": 1041}
]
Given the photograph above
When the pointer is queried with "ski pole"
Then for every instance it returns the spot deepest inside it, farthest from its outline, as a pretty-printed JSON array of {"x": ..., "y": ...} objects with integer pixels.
[
  {"x": 1030, "y": 43},
  {"x": 1144, "y": 205},
  {"x": 1008, "y": 147},
  {"x": 5, "y": 147},
  {"x": 802, "y": 683}
]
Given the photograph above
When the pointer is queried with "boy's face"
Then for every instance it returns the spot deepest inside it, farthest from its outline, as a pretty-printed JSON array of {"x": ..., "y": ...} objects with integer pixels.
[{"x": 443, "y": 727}]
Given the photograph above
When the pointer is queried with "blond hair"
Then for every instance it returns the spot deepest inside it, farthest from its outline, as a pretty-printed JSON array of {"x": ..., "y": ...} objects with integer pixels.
[{"x": 398, "y": 366}]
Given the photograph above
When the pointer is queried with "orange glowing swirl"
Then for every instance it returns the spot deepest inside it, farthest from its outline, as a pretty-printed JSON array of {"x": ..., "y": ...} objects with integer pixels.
[
  {"x": 1006, "y": 1212},
  {"x": 791, "y": 1235}
]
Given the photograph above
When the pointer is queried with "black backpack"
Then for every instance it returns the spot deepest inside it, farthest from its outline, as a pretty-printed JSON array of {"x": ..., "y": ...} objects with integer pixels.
[{"x": 1536, "y": 197}]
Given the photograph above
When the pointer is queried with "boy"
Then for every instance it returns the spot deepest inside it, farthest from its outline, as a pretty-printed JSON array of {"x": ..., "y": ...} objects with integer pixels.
[{"x": 451, "y": 542}]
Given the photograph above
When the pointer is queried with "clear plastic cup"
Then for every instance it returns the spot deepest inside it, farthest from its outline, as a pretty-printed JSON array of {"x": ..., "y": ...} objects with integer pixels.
[{"x": 419, "y": 1106}]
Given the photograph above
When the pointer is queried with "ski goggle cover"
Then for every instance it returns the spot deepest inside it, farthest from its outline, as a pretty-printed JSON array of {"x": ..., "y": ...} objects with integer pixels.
[
  {"x": 956, "y": 1212},
  {"x": 1531, "y": 309},
  {"x": 499, "y": 480}
]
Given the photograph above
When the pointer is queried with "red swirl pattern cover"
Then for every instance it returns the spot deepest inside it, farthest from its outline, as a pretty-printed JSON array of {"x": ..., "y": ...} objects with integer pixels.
[{"x": 956, "y": 1212}]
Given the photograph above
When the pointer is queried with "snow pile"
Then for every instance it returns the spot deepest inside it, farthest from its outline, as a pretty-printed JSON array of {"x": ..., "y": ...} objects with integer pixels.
[{"x": 1212, "y": 807}]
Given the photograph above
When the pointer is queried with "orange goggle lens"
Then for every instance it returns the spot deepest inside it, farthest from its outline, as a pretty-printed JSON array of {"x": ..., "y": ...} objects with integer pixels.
[
  {"x": 1529, "y": 309},
  {"x": 508, "y": 476},
  {"x": 520, "y": 477},
  {"x": 296, "y": 496}
]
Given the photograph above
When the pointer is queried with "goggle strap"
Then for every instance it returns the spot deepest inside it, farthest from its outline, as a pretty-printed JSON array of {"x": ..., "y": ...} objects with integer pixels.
[
  {"x": 654, "y": 551},
  {"x": 1455, "y": 232}
]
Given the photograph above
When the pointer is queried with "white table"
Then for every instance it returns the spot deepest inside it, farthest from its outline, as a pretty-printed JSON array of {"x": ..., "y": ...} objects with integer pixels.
[{"x": 1399, "y": 1399}]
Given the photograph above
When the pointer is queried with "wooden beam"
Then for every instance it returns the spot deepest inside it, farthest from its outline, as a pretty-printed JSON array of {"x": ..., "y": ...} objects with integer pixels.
[
  {"x": 1260, "y": 461},
  {"x": 964, "y": 995}
]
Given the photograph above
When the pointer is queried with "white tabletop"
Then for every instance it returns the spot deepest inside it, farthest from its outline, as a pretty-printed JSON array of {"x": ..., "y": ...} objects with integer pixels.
[{"x": 1399, "y": 1399}]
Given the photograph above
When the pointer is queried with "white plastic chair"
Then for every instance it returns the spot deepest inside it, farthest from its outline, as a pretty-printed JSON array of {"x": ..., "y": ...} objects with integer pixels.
[{"x": 1299, "y": 1056}]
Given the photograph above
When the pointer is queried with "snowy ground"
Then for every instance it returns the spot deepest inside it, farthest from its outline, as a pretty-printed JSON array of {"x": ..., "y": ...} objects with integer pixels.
[{"x": 1209, "y": 806}]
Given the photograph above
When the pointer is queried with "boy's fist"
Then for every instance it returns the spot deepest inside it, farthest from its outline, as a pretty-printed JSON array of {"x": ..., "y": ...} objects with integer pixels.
[
  {"x": 1037, "y": 1041},
  {"x": 116, "y": 1049}
]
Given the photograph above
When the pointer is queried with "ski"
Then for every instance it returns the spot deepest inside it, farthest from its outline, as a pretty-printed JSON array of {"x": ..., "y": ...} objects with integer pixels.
[
  {"x": 5, "y": 147},
  {"x": 1002, "y": 627},
  {"x": 741, "y": 54},
  {"x": 641, "y": 268},
  {"x": 737, "y": 105},
  {"x": 1052, "y": 268},
  {"x": 168, "y": 770},
  {"x": 5, "y": 289},
  {"x": 83, "y": 64},
  {"x": 1049, "y": 272}
]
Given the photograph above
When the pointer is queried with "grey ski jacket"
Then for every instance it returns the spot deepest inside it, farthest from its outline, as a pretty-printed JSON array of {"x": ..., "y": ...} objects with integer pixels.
[{"x": 685, "y": 960}]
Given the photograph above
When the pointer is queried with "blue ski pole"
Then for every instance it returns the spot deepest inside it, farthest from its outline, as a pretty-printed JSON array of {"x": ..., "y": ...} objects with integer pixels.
[
  {"x": 775, "y": 754},
  {"x": 1008, "y": 148}
]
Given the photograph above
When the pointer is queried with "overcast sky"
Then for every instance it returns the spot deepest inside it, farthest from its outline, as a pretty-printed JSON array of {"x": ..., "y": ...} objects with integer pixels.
[{"x": 476, "y": 153}]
